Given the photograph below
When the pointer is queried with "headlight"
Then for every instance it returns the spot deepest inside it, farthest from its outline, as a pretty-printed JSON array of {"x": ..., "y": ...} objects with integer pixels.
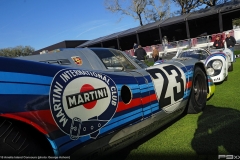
[
  {"x": 210, "y": 71},
  {"x": 217, "y": 64}
]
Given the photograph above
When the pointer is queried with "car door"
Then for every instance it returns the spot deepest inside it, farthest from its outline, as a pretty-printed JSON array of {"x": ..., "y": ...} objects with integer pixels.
[
  {"x": 170, "y": 84},
  {"x": 132, "y": 88}
]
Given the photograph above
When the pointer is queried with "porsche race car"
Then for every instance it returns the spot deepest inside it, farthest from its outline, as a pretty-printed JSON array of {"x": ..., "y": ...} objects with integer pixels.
[
  {"x": 217, "y": 62},
  {"x": 89, "y": 102}
]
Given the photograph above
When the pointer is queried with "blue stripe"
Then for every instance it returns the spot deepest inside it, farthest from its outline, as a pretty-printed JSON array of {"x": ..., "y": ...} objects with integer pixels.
[
  {"x": 186, "y": 93},
  {"x": 147, "y": 108},
  {"x": 24, "y": 77},
  {"x": 155, "y": 109},
  {"x": 107, "y": 128},
  {"x": 123, "y": 116},
  {"x": 17, "y": 88}
]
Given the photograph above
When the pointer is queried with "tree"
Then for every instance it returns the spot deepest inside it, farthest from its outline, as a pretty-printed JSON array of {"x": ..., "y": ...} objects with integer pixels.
[
  {"x": 155, "y": 12},
  {"x": 149, "y": 9},
  {"x": 186, "y": 5},
  {"x": 236, "y": 22},
  {"x": 16, "y": 51},
  {"x": 211, "y": 3},
  {"x": 191, "y": 5},
  {"x": 134, "y": 9}
]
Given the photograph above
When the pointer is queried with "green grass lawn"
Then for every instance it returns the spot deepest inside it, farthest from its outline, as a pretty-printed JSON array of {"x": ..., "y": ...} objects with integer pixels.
[{"x": 199, "y": 136}]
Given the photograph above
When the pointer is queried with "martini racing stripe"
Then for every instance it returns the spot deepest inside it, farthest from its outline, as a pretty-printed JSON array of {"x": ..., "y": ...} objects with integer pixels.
[
  {"x": 24, "y": 78},
  {"x": 215, "y": 54},
  {"x": 18, "y": 88}
]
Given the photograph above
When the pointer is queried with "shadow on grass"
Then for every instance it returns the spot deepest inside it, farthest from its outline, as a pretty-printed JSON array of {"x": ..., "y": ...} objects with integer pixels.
[{"x": 218, "y": 128}]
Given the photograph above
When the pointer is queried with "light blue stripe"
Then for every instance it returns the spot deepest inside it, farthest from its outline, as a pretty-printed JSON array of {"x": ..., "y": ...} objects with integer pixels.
[
  {"x": 154, "y": 105},
  {"x": 186, "y": 93},
  {"x": 132, "y": 86},
  {"x": 147, "y": 112},
  {"x": 107, "y": 128},
  {"x": 147, "y": 108},
  {"x": 18, "y": 88},
  {"x": 24, "y": 77},
  {"x": 155, "y": 109},
  {"x": 142, "y": 86},
  {"x": 124, "y": 116}
]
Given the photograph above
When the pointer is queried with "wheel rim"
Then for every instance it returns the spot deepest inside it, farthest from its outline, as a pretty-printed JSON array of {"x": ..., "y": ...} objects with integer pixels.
[{"x": 199, "y": 89}]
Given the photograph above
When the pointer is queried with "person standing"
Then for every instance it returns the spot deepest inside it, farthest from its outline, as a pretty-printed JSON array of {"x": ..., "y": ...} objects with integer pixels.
[
  {"x": 165, "y": 45},
  {"x": 155, "y": 54},
  {"x": 218, "y": 44},
  {"x": 230, "y": 42},
  {"x": 140, "y": 53},
  {"x": 135, "y": 46}
]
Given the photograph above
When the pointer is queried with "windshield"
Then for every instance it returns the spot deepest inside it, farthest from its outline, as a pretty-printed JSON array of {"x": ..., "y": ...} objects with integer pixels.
[
  {"x": 191, "y": 54},
  {"x": 141, "y": 64},
  {"x": 114, "y": 59}
]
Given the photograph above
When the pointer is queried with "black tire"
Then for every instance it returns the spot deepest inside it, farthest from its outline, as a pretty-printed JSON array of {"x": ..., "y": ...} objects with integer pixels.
[
  {"x": 231, "y": 67},
  {"x": 18, "y": 139},
  {"x": 198, "y": 95},
  {"x": 226, "y": 78}
]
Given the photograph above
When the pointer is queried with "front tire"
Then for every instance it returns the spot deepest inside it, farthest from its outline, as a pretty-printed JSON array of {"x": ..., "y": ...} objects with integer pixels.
[
  {"x": 198, "y": 96},
  {"x": 231, "y": 67}
]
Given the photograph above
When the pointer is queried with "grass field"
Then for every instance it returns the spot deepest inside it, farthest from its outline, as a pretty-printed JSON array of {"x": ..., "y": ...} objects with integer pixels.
[{"x": 200, "y": 136}]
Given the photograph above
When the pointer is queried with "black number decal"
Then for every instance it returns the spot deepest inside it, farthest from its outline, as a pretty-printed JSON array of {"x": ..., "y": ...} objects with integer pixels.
[
  {"x": 165, "y": 101},
  {"x": 162, "y": 100},
  {"x": 179, "y": 79}
]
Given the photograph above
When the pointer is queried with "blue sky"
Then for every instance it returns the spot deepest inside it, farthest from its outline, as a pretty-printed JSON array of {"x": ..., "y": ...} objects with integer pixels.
[{"x": 41, "y": 23}]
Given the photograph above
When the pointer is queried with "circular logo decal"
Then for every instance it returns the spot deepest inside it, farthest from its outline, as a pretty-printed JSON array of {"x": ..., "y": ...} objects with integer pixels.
[{"x": 82, "y": 102}]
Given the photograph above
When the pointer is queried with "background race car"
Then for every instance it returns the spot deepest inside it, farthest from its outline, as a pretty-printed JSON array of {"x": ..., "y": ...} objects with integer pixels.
[{"x": 217, "y": 62}]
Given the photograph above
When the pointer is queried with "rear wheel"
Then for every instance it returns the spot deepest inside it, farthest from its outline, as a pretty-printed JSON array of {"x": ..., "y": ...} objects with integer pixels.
[
  {"x": 18, "y": 139},
  {"x": 198, "y": 95}
]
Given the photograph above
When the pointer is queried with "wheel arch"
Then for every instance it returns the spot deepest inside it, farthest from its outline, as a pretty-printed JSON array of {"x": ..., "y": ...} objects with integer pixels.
[{"x": 43, "y": 139}]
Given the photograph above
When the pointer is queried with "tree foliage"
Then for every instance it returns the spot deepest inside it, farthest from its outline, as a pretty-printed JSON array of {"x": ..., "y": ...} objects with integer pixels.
[
  {"x": 16, "y": 51},
  {"x": 154, "y": 10},
  {"x": 150, "y": 10},
  {"x": 134, "y": 8},
  {"x": 186, "y": 6},
  {"x": 211, "y": 3},
  {"x": 236, "y": 22}
]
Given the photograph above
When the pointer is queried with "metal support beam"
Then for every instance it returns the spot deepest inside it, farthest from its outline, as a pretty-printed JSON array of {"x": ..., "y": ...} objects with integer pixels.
[
  {"x": 118, "y": 43},
  {"x": 187, "y": 29},
  {"x": 220, "y": 22},
  {"x": 160, "y": 34},
  {"x": 138, "y": 41}
]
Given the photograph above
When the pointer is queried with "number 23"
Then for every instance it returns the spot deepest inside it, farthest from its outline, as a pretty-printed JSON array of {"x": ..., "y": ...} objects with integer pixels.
[{"x": 165, "y": 101}]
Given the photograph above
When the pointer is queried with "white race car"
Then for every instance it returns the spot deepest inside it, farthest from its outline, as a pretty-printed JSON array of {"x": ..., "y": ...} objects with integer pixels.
[{"x": 217, "y": 62}]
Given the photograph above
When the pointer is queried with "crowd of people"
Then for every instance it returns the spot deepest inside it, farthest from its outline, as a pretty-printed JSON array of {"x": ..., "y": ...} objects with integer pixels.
[
  {"x": 230, "y": 43},
  {"x": 140, "y": 53}
]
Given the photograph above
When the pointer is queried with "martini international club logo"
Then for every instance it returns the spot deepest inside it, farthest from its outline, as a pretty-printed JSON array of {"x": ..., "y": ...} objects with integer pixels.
[{"x": 82, "y": 102}]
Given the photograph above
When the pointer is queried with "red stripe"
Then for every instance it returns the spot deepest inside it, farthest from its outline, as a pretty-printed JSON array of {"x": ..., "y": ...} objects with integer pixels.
[
  {"x": 189, "y": 85},
  {"x": 135, "y": 102},
  {"x": 42, "y": 120}
]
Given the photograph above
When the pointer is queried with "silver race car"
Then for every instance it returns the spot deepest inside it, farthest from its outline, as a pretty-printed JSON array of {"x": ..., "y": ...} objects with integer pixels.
[{"x": 217, "y": 62}]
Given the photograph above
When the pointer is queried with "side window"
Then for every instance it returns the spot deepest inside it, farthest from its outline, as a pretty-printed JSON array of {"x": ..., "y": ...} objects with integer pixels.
[{"x": 113, "y": 59}]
